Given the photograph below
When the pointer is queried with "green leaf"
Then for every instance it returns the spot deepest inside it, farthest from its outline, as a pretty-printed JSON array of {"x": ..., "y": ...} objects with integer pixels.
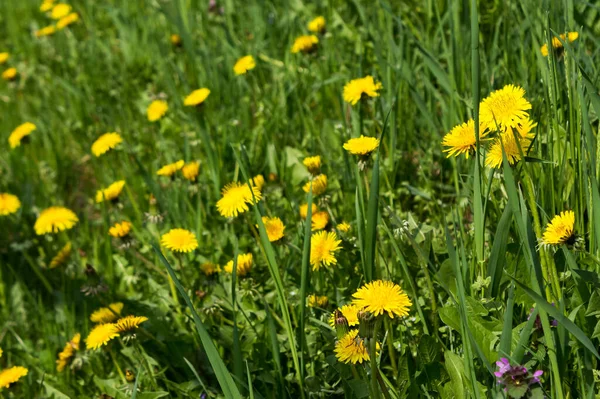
[
  {"x": 456, "y": 369},
  {"x": 562, "y": 320},
  {"x": 593, "y": 308}
]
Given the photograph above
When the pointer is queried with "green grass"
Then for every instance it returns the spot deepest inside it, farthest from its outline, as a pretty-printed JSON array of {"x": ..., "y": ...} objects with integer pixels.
[{"x": 459, "y": 238}]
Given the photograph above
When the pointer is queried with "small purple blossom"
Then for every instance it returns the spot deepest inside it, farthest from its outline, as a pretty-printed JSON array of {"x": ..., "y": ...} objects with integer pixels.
[{"x": 516, "y": 380}]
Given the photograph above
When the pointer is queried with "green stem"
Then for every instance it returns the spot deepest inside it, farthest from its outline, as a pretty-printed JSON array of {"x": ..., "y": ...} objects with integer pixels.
[
  {"x": 548, "y": 268},
  {"x": 390, "y": 344},
  {"x": 373, "y": 357},
  {"x": 114, "y": 359}
]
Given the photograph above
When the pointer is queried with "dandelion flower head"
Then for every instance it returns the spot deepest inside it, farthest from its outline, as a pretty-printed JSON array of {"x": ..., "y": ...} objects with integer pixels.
[
  {"x": 244, "y": 264},
  {"x": 68, "y": 352},
  {"x": 235, "y": 198},
  {"x": 560, "y": 230},
  {"x": 45, "y": 31},
  {"x": 21, "y": 131},
  {"x": 317, "y": 301},
  {"x": 350, "y": 313},
  {"x": 357, "y": 88},
  {"x": 179, "y": 240},
  {"x": 274, "y": 227},
  {"x": 170, "y": 169},
  {"x": 303, "y": 210},
  {"x": 323, "y": 247},
  {"x": 506, "y": 107},
  {"x": 317, "y": 25},
  {"x": 244, "y": 65},
  {"x": 361, "y": 145},
  {"x": 4, "y": 56},
  {"x": 190, "y": 170},
  {"x": 156, "y": 110},
  {"x": 101, "y": 335},
  {"x": 55, "y": 219},
  {"x": 9, "y": 74},
  {"x": 120, "y": 230},
  {"x": 60, "y": 10},
  {"x": 105, "y": 143},
  {"x": 129, "y": 323},
  {"x": 319, "y": 220},
  {"x": 11, "y": 375},
  {"x": 196, "y": 97},
  {"x": 9, "y": 204},
  {"x": 380, "y": 297},
  {"x": 110, "y": 193},
  {"x": 305, "y": 44},
  {"x": 313, "y": 164},
  {"x": 351, "y": 349},
  {"x": 319, "y": 185}
]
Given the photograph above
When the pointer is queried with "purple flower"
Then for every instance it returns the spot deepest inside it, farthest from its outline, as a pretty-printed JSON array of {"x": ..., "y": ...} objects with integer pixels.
[
  {"x": 537, "y": 324},
  {"x": 516, "y": 379}
]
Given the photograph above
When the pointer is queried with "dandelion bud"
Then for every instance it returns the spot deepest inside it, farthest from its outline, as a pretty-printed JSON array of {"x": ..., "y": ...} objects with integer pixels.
[
  {"x": 341, "y": 324},
  {"x": 366, "y": 322}
]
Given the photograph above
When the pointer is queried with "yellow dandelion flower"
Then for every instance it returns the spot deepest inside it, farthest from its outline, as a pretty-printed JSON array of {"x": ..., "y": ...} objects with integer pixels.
[
  {"x": 317, "y": 301},
  {"x": 175, "y": 39},
  {"x": 12, "y": 375},
  {"x": 67, "y": 20},
  {"x": 108, "y": 314},
  {"x": 351, "y": 349},
  {"x": 274, "y": 227},
  {"x": 319, "y": 185},
  {"x": 304, "y": 210},
  {"x": 190, "y": 170},
  {"x": 111, "y": 193},
  {"x": 305, "y": 44},
  {"x": 235, "y": 199},
  {"x": 105, "y": 143},
  {"x": 244, "y": 264},
  {"x": 350, "y": 313},
  {"x": 209, "y": 268},
  {"x": 461, "y": 139},
  {"x": 60, "y": 10},
  {"x": 64, "y": 357},
  {"x": 46, "y": 31},
  {"x": 129, "y": 323},
  {"x": 9, "y": 204},
  {"x": 21, "y": 131},
  {"x": 379, "y": 297},
  {"x": 55, "y": 219},
  {"x": 170, "y": 169},
  {"x": 101, "y": 335},
  {"x": 47, "y": 5},
  {"x": 323, "y": 247},
  {"x": 244, "y": 65},
  {"x": 156, "y": 110},
  {"x": 196, "y": 97},
  {"x": 317, "y": 25},
  {"x": 557, "y": 44},
  {"x": 61, "y": 256},
  {"x": 319, "y": 220},
  {"x": 179, "y": 240},
  {"x": 313, "y": 164},
  {"x": 120, "y": 230},
  {"x": 506, "y": 107},
  {"x": 357, "y": 88},
  {"x": 258, "y": 181},
  {"x": 361, "y": 145},
  {"x": 493, "y": 158},
  {"x": 9, "y": 74},
  {"x": 560, "y": 230},
  {"x": 4, "y": 56},
  {"x": 344, "y": 227}
]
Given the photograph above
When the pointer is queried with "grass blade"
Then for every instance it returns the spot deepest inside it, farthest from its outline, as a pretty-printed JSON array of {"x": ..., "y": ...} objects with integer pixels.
[{"x": 226, "y": 382}]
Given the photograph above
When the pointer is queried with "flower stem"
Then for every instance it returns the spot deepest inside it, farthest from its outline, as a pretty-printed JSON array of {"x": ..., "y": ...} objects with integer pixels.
[
  {"x": 548, "y": 268},
  {"x": 373, "y": 357},
  {"x": 114, "y": 359},
  {"x": 390, "y": 344}
]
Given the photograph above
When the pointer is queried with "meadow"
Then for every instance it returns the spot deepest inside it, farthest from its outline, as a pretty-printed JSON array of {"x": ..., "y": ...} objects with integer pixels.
[{"x": 294, "y": 199}]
